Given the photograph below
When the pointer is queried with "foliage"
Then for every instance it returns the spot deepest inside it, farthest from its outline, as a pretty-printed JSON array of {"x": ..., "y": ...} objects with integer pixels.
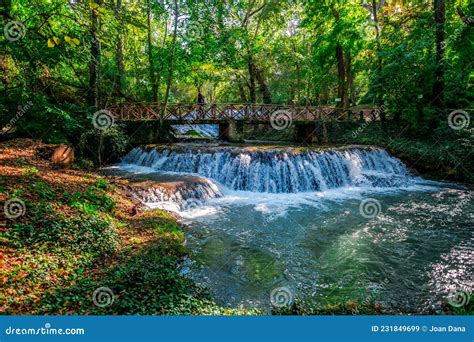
[
  {"x": 240, "y": 51},
  {"x": 43, "y": 227},
  {"x": 70, "y": 242},
  {"x": 144, "y": 283},
  {"x": 94, "y": 198},
  {"x": 441, "y": 155},
  {"x": 103, "y": 146}
]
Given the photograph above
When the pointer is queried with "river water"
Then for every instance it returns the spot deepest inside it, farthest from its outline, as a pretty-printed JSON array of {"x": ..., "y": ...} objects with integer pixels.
[{"x": 318, "y": 227}]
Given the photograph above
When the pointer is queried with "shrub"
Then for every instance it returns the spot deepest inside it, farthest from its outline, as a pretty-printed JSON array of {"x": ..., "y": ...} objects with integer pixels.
[
  {"x": 93, "y": 199},
  {"x": 45, "y": 228},
  {"x": 103, "y": 146}
]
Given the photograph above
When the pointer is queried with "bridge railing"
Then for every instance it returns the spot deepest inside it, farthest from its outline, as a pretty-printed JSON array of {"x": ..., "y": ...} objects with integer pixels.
[{"x": 208, "y": 112}]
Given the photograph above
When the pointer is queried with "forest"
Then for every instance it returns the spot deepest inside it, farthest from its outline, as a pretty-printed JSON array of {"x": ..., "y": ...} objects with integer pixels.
[
  {"x": 74, "y": 227},
  {"x": 69, "y": 57}
]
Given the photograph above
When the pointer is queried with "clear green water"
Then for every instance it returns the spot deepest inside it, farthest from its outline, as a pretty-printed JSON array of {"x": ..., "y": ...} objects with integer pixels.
[
  {"x": 260, "y": 239},
  {"x": 321, "y": 250}
]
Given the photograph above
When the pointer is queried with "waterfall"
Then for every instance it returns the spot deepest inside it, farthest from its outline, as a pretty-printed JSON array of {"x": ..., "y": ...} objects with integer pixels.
[
  {"x": 278, "y": 171},
  {"x": 202, "y": 130},
  {"x": 186, "y": 195}
]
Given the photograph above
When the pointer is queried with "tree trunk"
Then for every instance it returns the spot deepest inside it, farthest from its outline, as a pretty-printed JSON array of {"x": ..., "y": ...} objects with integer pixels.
[
  {"x": 298, "y": 84},
  {"x": 93, "y": 94},
  {"x": 379, "y": 62},
  {"x": 151, "y": 62},
  {"x": 325, "y": 96},
  {"x": 298, "y": 76},
  {"x": 160, "y": 70},
  {"x": 243, "y": 97},
  {"x": 350, "y": 81},
  {"x": 266, "y": 96},
  {"x": 120, "y": 76},
  {"x": 465, "y": 19},
  {"x": 341, "y": 70},
  {"x": 377, "y": 35},
  {"x": 251, "y": 83},
  {"x": 438, "y": 85},
  {"x": 170, "y": 65},
  {"x": 341, "y": 75}
]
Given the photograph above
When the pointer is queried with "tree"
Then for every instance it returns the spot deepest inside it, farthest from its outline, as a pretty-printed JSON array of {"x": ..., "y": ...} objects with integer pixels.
[
  {"x": 119, "y": 59},
  {"x": 173, "y": 50},
  {"x": 376, "y": 10},
  {"x": 341, "y": 68},
  {"x": 93, "y": 95},
  {"x": 439, "y": 82},
  {"x": 374, "y": 52}
]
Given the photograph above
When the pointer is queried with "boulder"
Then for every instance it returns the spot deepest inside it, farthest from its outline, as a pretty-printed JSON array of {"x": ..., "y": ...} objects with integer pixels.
[{"x": 63, "y": 156}]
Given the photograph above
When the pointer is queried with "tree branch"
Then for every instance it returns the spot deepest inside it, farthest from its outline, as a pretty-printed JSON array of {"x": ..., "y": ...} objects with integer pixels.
[{"x": 469, "y": 21}]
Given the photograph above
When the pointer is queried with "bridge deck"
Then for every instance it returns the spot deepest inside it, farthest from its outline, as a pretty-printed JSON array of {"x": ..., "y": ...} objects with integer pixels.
[{"x": 224, "y": 112}]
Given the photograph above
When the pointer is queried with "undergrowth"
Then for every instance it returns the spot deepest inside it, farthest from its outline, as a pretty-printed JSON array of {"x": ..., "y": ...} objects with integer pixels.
[{"x": 68, "y": 244}]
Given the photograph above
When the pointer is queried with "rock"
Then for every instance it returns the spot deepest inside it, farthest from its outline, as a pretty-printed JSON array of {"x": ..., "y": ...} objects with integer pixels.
[
  {"x": 133, "y": 211},
  {"x": 63, "y": 156}
]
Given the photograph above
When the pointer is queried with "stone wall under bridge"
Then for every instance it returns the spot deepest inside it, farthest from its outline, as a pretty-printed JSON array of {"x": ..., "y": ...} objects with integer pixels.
[{"x": 317, "y": 132}]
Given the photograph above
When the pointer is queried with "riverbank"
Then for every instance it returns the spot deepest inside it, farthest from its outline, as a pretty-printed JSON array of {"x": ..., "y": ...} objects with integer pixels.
[
  {"x": 79, "y": 233},
  {"x": 444, "y": 153}
]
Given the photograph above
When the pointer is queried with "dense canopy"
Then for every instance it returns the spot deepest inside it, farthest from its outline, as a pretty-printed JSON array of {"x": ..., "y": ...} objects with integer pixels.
[{"x": 413, "y": 58}]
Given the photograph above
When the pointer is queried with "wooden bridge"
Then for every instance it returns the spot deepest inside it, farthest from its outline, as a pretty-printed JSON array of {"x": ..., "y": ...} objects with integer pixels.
[
  {"x": 184, "y": 113},
  {"x": 231, "y": 116},
  {"x": 310, "y": 123}
]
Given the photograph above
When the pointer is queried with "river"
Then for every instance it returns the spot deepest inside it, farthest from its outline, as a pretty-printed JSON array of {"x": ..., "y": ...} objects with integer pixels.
[{"x": 268, "y": 227}]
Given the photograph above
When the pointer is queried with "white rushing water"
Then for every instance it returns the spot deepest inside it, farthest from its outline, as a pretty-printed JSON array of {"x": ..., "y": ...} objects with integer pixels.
[
  {"x": 278, "y": 171},
  {"x": 202, "y": 130},
  {"x": 286, "y": 219}
]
